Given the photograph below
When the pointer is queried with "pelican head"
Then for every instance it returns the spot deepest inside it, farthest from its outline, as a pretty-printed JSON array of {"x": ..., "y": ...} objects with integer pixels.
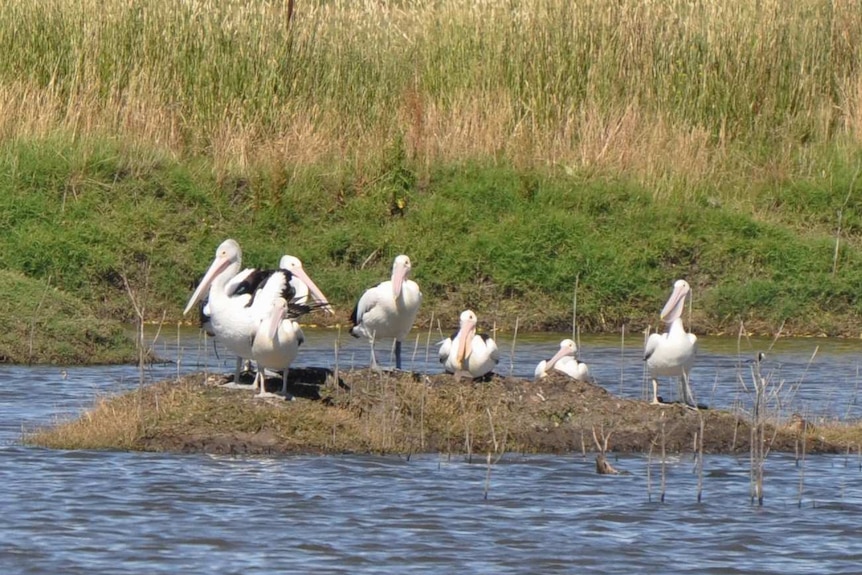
[
  {"x": 227, "y": 254},
  {"x": 466, "y": 332},
  {"x": 294, "y": 266},
  {"x": 400, "y": 270},
  {"x": 567, "y": 348},
  {"x": 672, "y": 310}
]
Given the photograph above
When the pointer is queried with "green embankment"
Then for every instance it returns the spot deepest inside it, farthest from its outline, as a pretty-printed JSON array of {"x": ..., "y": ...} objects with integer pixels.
[
  {"x": 512, "y": 149},
  {"x": 509, "y": 243}
]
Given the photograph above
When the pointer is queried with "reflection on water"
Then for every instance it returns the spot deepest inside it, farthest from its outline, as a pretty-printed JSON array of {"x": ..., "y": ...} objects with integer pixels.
[{"x": 111, "y": 512}]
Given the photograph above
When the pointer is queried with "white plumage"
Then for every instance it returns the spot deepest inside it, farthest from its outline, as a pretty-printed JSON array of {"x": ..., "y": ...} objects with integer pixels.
[
  {"x": 672, "y": 353},
  {"x": 388, "y": 310},
  {"x": 276, "y": 344},
  {"x": 469, "y": 352},
  {"x": 238, "y": 300},
  {"x": 564, "y": 361}
]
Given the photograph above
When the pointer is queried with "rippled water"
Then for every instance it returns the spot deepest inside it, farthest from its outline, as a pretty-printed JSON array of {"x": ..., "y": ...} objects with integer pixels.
[{"x": 114, "y": 512}]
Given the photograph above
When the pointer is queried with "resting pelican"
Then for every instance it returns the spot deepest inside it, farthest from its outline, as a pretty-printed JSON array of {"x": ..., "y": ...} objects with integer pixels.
[
  {"x": 565, "y": 362},
  {"x": 672, "y": 353},
  {"x": 303, "y": 287},
  {"x": 469, "y": 352},
  {"x": 388, "y": 309},
  {"x": 276, "y": 344},
  {"x": 237, "y": 300}
]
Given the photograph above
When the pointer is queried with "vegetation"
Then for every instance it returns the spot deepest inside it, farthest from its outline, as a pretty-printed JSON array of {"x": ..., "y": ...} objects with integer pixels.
[
  {"x": 513, "y": 149},
  {"x": 395, "y": 413},
  {"x": 57, "y": 328}
]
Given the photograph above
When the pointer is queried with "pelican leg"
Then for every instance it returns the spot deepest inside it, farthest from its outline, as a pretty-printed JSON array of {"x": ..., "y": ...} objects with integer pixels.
[
  {"x": 397, "y": 354},
  {"x": 263, "y": 392},
  {"x": 374, "y": 365},
  {"x": 685, "y": 390},
  {"x": 238, "y": 371},
  {"x": 284, "y": 383},
  {"x": 655, "y": 400}
]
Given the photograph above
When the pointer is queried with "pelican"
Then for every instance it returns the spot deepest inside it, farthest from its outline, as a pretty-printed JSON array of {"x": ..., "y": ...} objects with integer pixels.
[
  {"x": 238, "y": 299},
  {"x": 303, "y": 287},
  {"x": 672, "y": 353},
  {"x": 565, "y": 362},
  {"x": 469, "y": 352},
  {"x": 275, "y": 344},
  {"x": 388, "y": 309},
  {"x": 204, "y": 317}
]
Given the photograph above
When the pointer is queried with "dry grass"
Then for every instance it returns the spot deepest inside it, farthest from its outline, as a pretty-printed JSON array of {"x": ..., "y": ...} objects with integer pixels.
[
  {"x": 411, "y": 414},
  {"x": 664, "y": 91}
]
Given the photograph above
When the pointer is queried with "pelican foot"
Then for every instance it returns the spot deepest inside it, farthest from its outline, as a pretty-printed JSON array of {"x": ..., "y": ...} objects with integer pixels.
[
  {"x": 232, "y": 385},
  {"x": 270, "y": 395},
  {"x": 660, "y": 402},
  {"x": 695, "y": 407}
]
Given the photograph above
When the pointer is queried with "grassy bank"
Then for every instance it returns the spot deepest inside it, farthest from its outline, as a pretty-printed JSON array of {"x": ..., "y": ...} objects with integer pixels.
[
  {"x": 103, "y": 224},
  {"x": 513, "y": 150},
  {"x": 404, "y": 414}
]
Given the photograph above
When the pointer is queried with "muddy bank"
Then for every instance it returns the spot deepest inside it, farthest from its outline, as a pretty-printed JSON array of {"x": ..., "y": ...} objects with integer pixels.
[{"x": 368, "y": 412}]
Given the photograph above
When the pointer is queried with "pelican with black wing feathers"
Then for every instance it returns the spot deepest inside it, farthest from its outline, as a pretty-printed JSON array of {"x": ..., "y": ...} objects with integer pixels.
[
  {"x": 239, "y": 299},
  {"x": 388, "y": 310}
]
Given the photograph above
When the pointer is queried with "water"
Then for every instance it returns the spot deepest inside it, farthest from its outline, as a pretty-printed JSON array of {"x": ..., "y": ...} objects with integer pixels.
[{"x": 114, "y": 512}]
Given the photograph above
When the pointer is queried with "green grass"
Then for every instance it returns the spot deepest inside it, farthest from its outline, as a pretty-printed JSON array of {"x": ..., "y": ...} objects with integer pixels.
[
  {"x": 508, "y": 242},
  {"x": 41, "y": 324},
  {"x": 512, "y": 149}
]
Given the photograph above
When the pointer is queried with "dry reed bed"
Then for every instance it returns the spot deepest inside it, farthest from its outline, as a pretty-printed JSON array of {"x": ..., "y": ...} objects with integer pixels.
[
  {"x": 664, "y": 91},
  {"x": 404, "y": 414}
]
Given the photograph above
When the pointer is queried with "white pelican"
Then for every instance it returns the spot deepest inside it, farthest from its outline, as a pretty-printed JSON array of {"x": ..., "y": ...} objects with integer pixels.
[
  {"x": 672, "y": 353},
  {"x": 303, "y": 287},
  {"x": 388, "y": 309},
  {"x": 275, "y": 345},
  {"x": 469, "y": 352},
  {"x": 237, "y": 300},
  {"x": 565, "y": 362}
]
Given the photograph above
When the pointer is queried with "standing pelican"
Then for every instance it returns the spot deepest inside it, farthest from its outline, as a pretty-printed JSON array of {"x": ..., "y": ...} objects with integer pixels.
[
  {"x": 303, "y": 287},
  {"x": 237, "y": 300},
  {"x": 276, "y": 344},
  {"x": 388, "y": 309},
  {"x": 672, "y": 353},
  {"x": 565, "y": 362},
  {"x": 469, "y": 352}
]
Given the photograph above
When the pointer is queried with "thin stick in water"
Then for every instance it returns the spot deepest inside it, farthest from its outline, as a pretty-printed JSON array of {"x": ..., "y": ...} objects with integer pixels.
[
  {"x": 622, "y": 357},
  {"x": 512, "y": 352}
]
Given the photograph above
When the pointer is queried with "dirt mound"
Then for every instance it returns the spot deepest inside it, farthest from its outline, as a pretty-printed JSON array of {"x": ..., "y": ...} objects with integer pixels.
[
  {"x": 398, "y": 412},
  {"x": 407, "y": 413}
]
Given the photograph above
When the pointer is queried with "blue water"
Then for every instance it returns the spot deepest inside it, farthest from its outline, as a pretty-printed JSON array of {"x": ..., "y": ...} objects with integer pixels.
[{"x": 116, "y": 512}]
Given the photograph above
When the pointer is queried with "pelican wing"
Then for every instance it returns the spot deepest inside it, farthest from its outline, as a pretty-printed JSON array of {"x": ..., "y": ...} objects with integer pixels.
[
  {"x": 491, "y": 346},
  {"x": 445, "y": 349},
  {"x": 651, "y": 345},
  {"x": 366, "y": 303}
]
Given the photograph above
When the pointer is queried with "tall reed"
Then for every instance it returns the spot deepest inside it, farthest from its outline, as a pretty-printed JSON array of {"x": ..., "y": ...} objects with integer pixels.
[{"x": 650, "y": 88}]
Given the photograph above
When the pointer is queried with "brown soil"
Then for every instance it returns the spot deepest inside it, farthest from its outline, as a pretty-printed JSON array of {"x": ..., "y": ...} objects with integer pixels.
[{"x": 365, "y": 411}]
